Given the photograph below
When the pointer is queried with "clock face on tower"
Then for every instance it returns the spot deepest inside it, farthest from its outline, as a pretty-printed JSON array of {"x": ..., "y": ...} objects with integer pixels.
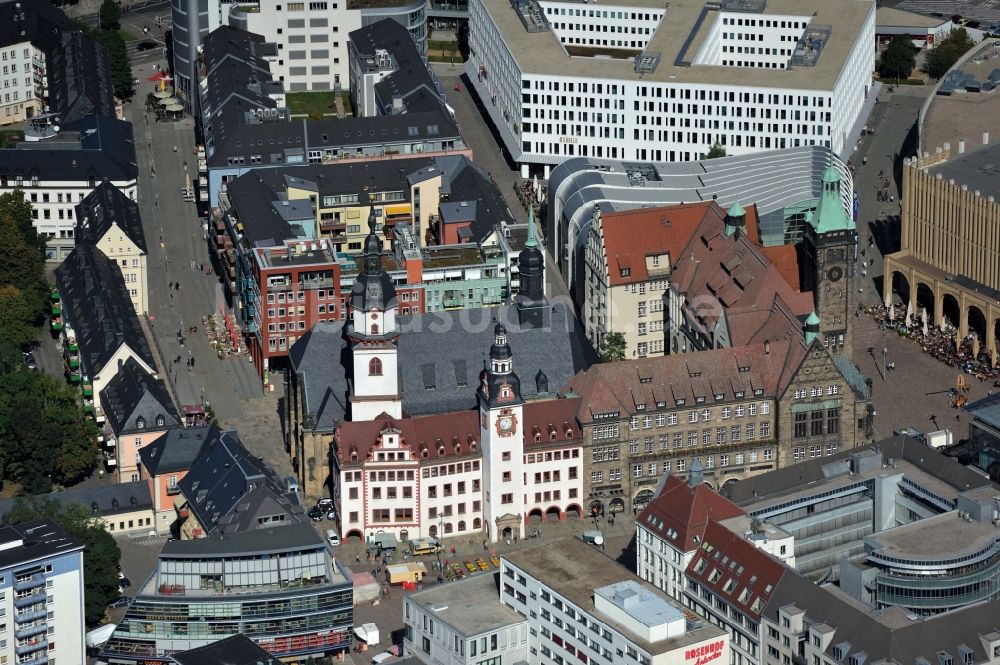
[{"x": 506, "y": 423}]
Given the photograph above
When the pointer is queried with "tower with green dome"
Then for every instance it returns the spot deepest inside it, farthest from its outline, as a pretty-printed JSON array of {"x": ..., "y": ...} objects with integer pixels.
[{"x": 831, "y": 242}]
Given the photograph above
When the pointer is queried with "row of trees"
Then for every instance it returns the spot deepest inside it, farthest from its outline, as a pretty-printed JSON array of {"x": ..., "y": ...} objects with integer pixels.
[
  {"x": 900, "y": 57},
  {"x": 44, "y": 436}
]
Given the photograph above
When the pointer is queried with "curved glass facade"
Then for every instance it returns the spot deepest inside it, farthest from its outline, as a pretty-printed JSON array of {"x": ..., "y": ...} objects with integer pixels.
[{"x": 934, "y": 589}]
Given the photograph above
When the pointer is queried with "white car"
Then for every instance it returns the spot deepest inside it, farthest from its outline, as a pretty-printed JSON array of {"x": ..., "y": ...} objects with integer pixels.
[{"x": 332, "y": 537}]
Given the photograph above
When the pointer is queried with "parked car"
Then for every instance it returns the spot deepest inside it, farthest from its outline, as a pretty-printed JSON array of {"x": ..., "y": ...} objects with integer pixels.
[
  {"x": 315, "y": 514},
  {"x": 332, "y": 515},
  {"x": 30, "y": 362},
  {"x": 332, "y": 537},
  {"x": 124, "y": 583},
  {"x": 145, "y": 45},
  {"x": 324, "y": 504},
  {"x": 121, "y": 601}
]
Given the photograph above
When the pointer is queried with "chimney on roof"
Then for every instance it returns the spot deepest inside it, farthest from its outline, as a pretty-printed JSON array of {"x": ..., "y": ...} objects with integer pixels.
[{"x": 767, "y": 347}]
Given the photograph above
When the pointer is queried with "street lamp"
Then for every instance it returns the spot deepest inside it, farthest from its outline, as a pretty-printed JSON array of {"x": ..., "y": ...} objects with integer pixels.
[{"x": 440, "y": 531}]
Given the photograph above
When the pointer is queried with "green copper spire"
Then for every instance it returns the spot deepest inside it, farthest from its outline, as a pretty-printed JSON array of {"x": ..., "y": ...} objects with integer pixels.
[
  {"x": 532, "y": 240},
  {"x": 812, "y": 328},
  {"x": 830, "y": 215},
  {"x": 735, "y": 221},
  {"x": 736, "y": 210}
]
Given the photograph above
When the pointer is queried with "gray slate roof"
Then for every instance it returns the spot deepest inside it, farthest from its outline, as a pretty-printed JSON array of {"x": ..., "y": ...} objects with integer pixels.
[
  {"x": 986, "y": 409},
  {"x": 101, "y": 500},
  {"x": 413, "y": 81},
  {"x": 103, "y": 207},
  {"x": 441, "y": 355},
  {"x": 236, "y": 650},
  {"x": 95, "y": 147},
  {"x": 41, "y": 539},
  {"x": 228, "y": 489},
  {"x": 179, "y": 448},
  {"x": 235, "y": 129},
  {"x": 273, "y": 538},
  {"x": 78, "y": 69},
  {"x": 133, "y": 394},
  {"x": 887, "y": 635},
  {"x": 789, "y": 478},
  {"x": 97, "y": 304}
]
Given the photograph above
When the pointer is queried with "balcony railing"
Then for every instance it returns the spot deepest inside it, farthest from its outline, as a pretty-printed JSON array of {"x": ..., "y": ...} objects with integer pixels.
[
  {"x": 30, "y": 599},
  {"x": 28, "y": 647},
  {"x": 20, "y": 584},
  {"x": 28, "y": 631},
  {"x": 25, "y": 617}
]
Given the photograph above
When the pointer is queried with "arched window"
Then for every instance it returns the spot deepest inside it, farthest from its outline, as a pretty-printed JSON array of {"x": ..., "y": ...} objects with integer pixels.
[
  {"x": 374, "y": 367},
  {"x": 374, "y": 328}
]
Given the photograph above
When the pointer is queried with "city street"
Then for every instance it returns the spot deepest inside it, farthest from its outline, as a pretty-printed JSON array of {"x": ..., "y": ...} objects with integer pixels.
[
  {"x": 486, "y": 153},
  {"x": 164, "y": 152}
]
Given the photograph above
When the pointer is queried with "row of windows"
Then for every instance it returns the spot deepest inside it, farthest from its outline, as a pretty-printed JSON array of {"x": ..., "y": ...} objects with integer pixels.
[
  {"x": 816, "y": 423},
  {"x": 817, "y": 391},
  {"x": 655, "y": 469}
]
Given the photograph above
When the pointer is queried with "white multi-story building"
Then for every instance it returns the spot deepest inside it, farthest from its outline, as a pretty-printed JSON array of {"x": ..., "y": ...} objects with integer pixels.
[
  {"x": 57, "y": 168},
  {"x": 41, "y": 594},
  {"x": 24, "y": 82},
  {"x": 555, "y": 606},
  {"x": 632, "y": 80}
]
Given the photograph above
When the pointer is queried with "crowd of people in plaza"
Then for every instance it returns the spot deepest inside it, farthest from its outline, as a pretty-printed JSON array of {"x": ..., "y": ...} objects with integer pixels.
[{"x": 942, "y": 343}]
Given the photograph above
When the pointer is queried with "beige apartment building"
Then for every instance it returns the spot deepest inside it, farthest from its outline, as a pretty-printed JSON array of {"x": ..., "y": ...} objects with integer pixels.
[
  {"x": 627, "y": 273},
  {"x": 110, "y": 220},
  {"x": 949, "y": 257}
]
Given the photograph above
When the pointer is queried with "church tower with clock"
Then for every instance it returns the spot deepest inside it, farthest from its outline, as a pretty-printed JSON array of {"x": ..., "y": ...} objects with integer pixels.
[
  {"x": 832, "y": 241},
  {"x": 374, "y": 337},
  {"x": 501, "y": 432}
]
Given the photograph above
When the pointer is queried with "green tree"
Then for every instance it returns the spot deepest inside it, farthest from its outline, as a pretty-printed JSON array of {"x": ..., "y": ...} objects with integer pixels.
[
  {"x": 715, "y": 151},
  {"x": 612, "y": 347},
  {"x": 101, "y": 555},
  {"x": 121, "y": 68},
  {"x": 23, "y": 266},
  {"x": 110, "y": 15},
  {"x": 14, "y": 206},
  {"x": 17, "y": 317},
  {"x": 44, "y": 436},
  {"x": 948, "y": 48},
  {"x": 899, "y": 59}
]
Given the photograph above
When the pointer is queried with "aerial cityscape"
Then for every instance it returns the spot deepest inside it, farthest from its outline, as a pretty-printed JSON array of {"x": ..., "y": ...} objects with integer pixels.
[{"x": 500, "y": 332}]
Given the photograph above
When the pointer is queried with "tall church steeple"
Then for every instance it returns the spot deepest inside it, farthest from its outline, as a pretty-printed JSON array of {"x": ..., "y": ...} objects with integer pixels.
[
  {"x": 833, "y": 241},
  {"x": 532, "y": 307},
  {"x": 374, "y": 336}
]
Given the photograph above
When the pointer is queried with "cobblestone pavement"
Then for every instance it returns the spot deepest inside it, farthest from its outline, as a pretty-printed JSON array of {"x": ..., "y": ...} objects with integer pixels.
[
  {"x": 164, "y": 152},
  {"x": 388, "y": 614},
  {"x": 917, "y": 390}
]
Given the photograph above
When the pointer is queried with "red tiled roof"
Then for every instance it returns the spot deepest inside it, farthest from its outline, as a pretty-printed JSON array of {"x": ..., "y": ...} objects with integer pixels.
[
  {"x": 457, "y": 432},
  {"x": 632, "y": 235},
  {"x": 786, "y": 259},
  {"x": 735, "y": 570},
  {"x": 737, "y": 273},
  {"x": 680, "y": 513},
  {"x": 621, "y": 386}
]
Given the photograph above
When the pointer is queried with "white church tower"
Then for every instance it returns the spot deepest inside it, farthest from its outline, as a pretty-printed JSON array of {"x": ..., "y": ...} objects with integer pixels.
[
  {"x": 501, "y": 430},
  {"x": 374, "y": 337}
]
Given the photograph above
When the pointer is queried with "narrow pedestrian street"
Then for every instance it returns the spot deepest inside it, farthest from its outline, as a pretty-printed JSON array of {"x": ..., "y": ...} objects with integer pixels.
[{"x": 165, "y": 157}]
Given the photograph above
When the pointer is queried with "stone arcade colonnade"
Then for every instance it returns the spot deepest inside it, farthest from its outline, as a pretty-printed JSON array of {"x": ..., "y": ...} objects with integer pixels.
[{"x": 949, "y": 258}]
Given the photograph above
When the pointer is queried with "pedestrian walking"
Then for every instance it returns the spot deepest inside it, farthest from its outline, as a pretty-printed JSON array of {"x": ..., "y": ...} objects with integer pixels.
[{"x": 357, "y": 558}]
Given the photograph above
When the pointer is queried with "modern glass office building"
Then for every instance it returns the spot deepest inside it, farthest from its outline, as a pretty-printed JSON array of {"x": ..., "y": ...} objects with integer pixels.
[{"x": 280, "y": 587}]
